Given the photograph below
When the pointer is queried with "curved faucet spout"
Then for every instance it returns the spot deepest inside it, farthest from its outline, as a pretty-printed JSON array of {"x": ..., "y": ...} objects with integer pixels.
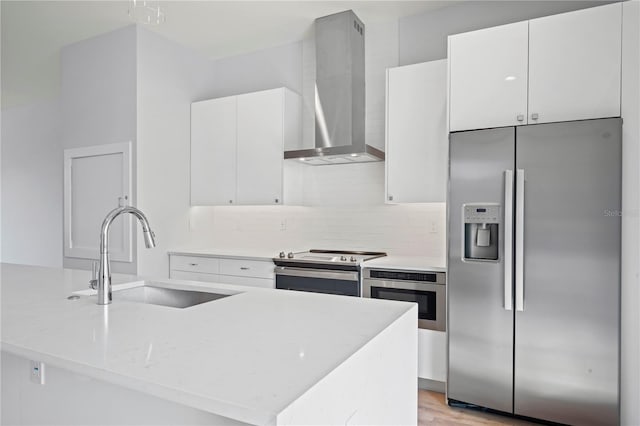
[{"x": 104, "y": 274}]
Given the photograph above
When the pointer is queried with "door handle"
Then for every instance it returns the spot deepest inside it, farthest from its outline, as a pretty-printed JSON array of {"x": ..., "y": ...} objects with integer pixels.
[
  {"x": 508, "y": 239},
  {"x": 520, "y": 240}
]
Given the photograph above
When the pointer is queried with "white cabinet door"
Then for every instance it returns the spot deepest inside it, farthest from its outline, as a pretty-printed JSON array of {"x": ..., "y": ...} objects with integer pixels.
[
  {"x": 488, "y": 77},
  {"x": 574, "y": 65},
  {"x": 247, "y": 281},
  {"x": 213, "y": 152},
  {"x": 417, "y": 138},
  {"x": 196, "y": 264},
  {"x": 247, "y": 268},
  {"x": 432, "y": 355},
  {"x": 260, "y": 147},
  {"x": 194, "y": 276}
]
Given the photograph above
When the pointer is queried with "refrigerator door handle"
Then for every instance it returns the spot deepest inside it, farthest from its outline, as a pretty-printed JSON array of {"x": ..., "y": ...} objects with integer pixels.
[
  {"x": 520, "y": 240},
  {"x": 508, "y": 239}
]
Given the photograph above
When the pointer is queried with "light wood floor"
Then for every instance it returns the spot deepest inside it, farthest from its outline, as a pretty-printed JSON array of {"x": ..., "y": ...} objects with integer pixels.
[{"x": 433, "y": 410}]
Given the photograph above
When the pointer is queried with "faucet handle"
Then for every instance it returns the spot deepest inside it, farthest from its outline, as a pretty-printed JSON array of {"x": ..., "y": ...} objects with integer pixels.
[{"x": 93, "y": 282}]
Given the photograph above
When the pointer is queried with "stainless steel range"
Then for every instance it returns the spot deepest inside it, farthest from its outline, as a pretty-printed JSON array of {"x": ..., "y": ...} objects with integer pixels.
[{"x": 322, "y": 271}]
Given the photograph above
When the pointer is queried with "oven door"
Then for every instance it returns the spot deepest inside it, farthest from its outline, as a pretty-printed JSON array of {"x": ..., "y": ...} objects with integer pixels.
[
  {"x": 345, "y": 283},
  {"x": 429, "y": 297}
]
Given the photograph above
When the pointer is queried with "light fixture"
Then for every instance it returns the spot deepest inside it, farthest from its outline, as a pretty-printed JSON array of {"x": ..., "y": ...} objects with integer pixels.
[
  {"x": 303, "y": 159},
  {"x": 510, "y": 78},
  {"x": 146, "y": 12},
  {"x": 354, "y": 155}
]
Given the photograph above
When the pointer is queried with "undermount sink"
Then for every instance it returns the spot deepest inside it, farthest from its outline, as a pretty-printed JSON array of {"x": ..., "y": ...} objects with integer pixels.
[{"x": 166, "y": 296}]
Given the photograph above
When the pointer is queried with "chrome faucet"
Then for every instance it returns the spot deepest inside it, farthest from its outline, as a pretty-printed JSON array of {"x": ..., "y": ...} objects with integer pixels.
[{"x": 104, "y": 272}]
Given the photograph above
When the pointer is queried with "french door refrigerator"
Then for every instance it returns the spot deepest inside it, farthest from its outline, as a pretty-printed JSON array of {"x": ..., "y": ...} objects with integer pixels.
[{"x": 534, "y": 270}]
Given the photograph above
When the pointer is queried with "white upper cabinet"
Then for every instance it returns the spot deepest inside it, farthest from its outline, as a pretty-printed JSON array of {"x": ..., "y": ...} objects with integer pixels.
[
  {"x": 488, "y": 77},
  {"x": 213, "y": 152},
  {"x": 575, "y": 65},
  {"x": 237, "y": 146},
  {"x": 260, "y": 147},
  {"x": 557, "y": 68},
  {"x": 416, "y": 133}
]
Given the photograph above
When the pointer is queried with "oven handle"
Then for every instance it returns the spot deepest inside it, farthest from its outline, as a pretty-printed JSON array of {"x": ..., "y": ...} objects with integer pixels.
[{"x": 316, "y": 273}]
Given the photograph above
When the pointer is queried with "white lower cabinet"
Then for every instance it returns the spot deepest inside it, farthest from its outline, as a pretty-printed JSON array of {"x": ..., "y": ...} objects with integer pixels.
[
  {"x": 254, "y": 273},
  {"x": 194, "y": 276},
  {"x": 432, "y": 355}
]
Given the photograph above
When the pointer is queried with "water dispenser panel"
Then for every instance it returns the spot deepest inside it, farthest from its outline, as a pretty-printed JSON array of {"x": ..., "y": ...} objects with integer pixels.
[{"x": 481, "y": 231}]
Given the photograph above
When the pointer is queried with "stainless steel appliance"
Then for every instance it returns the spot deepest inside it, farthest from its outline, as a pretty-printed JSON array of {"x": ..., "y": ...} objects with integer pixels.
[
  {"x": 425, "y": 288},
  {"x": 340, "y": 95},
  {"x": 322, "y": 271},
  {"x": 534, "y": 270}
]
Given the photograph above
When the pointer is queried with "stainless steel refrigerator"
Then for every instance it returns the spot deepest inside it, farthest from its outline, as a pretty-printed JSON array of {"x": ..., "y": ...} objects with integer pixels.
[{"x": 534, "y": 270}]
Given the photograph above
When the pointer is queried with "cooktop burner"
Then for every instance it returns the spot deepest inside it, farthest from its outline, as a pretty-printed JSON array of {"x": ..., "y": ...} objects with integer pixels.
[{"x": 317, "y": 258}]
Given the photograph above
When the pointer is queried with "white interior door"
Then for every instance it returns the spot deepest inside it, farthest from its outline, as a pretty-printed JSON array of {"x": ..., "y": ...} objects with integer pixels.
[{"x": 96, "y": 180}]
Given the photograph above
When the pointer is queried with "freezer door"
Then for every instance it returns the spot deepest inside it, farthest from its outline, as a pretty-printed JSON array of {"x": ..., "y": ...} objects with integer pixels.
[
  {"x": 567, "y": 335},
  {"x": 480, "y": 326}
]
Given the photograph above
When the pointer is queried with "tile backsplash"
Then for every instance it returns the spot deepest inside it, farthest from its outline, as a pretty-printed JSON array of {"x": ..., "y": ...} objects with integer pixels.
[{"x": 343, "y": 209}]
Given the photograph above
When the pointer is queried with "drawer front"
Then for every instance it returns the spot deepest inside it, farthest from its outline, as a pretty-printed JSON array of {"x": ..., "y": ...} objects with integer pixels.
[
  {"x": 247, "y": 281},
  {"x": 247, "y": 268},
  {"x": 207, "y": 265},
  {"x": 194, "y": 276}
]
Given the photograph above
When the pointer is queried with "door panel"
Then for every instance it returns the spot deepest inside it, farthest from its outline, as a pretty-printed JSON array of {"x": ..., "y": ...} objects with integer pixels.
[
  {"x": 213, "y": 152},
  {"x": 417, "y": 138},
  {"x": 260, "y": 147},
  {"x": 574, "y": 65},
  {"x": 488, "y": 77},
  {"x": 567, "y": 344},
  {"x": 480, "y": 329}
]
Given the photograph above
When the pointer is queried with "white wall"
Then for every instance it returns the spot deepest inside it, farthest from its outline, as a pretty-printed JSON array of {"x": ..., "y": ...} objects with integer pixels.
[
  {"x": 343, "y": 203},
  {"x": 630, "y": 361},
  {"x": 169, "y": 78},
  {"x": 32, "y": 184},
  {"x": 98, "y": 102},
  {"x": 344, "y": 210},
  {"x": 262, "y": 70}
]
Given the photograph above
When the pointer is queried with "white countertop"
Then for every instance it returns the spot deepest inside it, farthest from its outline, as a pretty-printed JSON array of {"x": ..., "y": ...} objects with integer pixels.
[
  {"x": 236, "y": 253},
  {"x": 246, "y": 357},
  {"x": 411, "y": 263}
]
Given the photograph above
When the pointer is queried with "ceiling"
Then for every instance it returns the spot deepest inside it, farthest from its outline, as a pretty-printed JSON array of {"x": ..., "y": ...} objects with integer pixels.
[{"x": 34, "y": 31}]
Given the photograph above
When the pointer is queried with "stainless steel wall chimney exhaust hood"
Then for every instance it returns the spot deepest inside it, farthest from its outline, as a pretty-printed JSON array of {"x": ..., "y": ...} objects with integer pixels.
[{"x": 339, "y": 94}]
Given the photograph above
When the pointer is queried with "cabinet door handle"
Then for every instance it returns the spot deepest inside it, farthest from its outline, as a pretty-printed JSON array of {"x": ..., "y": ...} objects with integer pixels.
[
  {"x": 244, "y": 268},
  {"x": 520, "y": 117},
  {"x": 390, "y": 197},
  {"x": 193, "y": 264},
  {"x": 230, "y": 201},
  {"x": 534, "y": 116}
]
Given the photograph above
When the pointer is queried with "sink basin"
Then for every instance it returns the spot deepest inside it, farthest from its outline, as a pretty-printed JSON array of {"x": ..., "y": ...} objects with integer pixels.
[{"x": 166, "y": 296}]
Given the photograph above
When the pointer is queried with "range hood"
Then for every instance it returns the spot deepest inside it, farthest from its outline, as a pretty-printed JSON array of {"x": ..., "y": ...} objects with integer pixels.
[{"x": 339, "y": 94}]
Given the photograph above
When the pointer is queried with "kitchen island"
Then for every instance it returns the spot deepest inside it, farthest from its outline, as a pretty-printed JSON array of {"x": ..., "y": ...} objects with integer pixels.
[{"x": 260, "y": 356}]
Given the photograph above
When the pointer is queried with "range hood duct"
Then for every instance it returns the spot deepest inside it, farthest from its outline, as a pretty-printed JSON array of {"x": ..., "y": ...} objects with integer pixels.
[{"x": 339, "y": 94}]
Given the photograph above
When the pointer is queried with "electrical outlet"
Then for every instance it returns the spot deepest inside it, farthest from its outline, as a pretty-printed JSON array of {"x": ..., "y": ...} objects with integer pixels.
[{"x": 37, "y": 372}]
